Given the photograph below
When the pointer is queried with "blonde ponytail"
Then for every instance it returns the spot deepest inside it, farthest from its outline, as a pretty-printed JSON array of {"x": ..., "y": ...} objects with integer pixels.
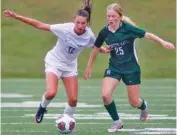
[{"x": 128, "y": 20}]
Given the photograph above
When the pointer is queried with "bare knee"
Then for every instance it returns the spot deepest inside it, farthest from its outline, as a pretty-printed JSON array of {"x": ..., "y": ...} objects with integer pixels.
[
  {"x": 135, "y": 103},
  {"x": 106, "y": 98},
  {"x": 72, "y": 101},
  {"x": 50, "y": 95}
]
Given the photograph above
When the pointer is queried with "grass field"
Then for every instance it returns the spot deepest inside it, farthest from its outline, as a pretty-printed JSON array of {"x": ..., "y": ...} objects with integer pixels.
[{"x": 21, "y": 97}]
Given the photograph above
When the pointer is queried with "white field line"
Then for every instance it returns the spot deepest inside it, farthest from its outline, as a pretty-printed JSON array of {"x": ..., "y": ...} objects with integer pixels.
[
  {"x": 95, "y": 118},
  {"x": 60, "y": 105},
  {"x": 100, "y": 116},
  {"x": 105, "y": 116},
  {"x": 89, "y": 123},
  {"x": 79, "y": 110},
  {"x": 156, "y": 133},
  {"x": 152, "y": 131},
  {"x": 142, "y": 87},
  {"x": 28, "y": 131},
  {"x": 151, "y": 95},
  {"x": 100, "y": 99},
  {"x": 36, "y": 104},
  {"x": 14, "y": 95},
  {"x": 149, "y": 133}
]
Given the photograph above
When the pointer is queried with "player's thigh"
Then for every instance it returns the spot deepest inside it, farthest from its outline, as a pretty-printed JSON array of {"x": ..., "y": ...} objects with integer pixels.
[
  {"x": 51, "y": 83},
  {"x": 52, "y": 77},
  {"x": 70, "y": 81},
  {"x": 108, "y": 86},
  {"x": 133, "y": 93},
  {"x": 132, "y": 81},
  {"x": 110, "y": 81}
]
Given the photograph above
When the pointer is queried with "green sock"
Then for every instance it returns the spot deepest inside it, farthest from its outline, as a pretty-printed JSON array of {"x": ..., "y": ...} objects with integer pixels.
[
  {"x": 111, "y": 108},
  {"x": 143, "y": 105}
]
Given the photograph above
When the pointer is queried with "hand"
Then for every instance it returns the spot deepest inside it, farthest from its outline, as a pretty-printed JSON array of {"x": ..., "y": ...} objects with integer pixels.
[
  {"x": 168, "y": 45},
  {"x": 105, "y": 49},
  {"x": 87, "y": 73},
  {"x": 9, "y": 13},
  {"x": 108, "y": 49}
]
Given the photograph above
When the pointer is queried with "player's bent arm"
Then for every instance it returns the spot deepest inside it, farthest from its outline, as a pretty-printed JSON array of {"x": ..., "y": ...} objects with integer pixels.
[
  {"x": 157, "y": 39},
  {"x": 35, "y": 23},
  {"x": 153, "y": 37},
  {"x": 93, "y": 56}
]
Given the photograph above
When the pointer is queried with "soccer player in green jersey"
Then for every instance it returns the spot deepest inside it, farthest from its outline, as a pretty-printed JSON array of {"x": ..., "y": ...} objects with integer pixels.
[{"x": 123, "y": 63}]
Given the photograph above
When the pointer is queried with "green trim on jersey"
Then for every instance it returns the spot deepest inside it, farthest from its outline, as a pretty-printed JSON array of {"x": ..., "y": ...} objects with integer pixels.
[{"x": 123, "y": 55}]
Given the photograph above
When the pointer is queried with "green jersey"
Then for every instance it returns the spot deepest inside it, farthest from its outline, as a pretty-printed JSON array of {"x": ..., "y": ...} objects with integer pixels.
[{"x": 123, "y": 55}]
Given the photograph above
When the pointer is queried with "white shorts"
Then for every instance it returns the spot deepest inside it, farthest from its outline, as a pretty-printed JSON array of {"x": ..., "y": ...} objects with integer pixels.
[{"x": 60, "y": 73}]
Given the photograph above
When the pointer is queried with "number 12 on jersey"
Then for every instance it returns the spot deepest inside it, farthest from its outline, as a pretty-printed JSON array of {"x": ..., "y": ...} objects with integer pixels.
[{"x": 71, "y": 50}]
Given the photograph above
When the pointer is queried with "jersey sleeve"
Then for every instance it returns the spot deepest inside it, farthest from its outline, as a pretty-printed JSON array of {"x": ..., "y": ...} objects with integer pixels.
[
  {"x": 92, "y": 39},
  {"x": 58, "y": 29},
  {"x": 99, "y": 40},
  {"x": 137, "y": 32}
]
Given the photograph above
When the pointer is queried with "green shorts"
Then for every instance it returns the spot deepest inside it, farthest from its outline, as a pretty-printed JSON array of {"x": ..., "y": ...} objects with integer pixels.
[{"x": 129, "y": 78}]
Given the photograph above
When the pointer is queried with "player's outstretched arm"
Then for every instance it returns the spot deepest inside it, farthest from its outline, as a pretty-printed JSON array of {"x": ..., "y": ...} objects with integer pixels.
[
  {"x": 92, "y": 58},
  {"x": 32, "y": 22},
  {"x": 155, "y": 38}
]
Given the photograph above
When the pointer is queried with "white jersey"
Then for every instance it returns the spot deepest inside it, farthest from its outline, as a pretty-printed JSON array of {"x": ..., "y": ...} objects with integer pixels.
[{"x": 68, "y": 47}]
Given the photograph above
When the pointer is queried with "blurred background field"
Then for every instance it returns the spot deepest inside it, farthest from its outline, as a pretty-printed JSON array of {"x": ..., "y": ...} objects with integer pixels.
[{"x": 24, "y": 48}]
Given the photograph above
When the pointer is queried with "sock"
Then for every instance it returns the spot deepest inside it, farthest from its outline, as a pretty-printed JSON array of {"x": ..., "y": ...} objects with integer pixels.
[
  {"x": 69, "y": 110},
  {"x": 44, "y": 103},
  {"x": 143, "y": 105},
  {"x": 117, "y": 121},
  {"x": 111, "y": 108}
]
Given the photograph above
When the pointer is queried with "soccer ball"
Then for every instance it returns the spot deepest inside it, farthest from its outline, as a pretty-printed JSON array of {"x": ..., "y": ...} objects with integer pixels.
[{"x": 65, "y": 124}]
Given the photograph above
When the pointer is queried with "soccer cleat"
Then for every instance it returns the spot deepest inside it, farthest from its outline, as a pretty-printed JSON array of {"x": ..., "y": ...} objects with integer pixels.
[
  {"x": 144, "y": 113},
  {"x": 115, "y": 127},
  {"x": 39, "y": 114}
]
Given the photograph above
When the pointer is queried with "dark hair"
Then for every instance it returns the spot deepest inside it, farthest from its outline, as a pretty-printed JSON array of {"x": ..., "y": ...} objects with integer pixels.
[{"x": 86, "y": 11}]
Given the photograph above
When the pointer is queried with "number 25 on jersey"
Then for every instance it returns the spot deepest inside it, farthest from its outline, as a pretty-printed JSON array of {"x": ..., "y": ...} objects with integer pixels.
[{"x": 119, "y": 51}]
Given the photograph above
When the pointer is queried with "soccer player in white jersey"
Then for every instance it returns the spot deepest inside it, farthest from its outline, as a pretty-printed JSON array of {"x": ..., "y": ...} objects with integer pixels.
[{"x": 61, "y": 61}]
